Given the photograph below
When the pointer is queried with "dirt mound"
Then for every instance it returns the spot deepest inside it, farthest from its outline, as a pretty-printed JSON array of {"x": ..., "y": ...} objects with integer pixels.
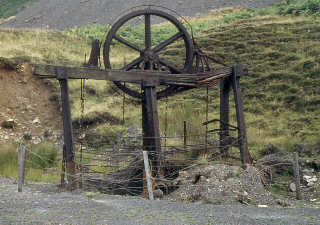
[
  {"x": 61, "y": 14},
  {"x": 26, "y": 111},
  {"x": 221, "y": 184}
]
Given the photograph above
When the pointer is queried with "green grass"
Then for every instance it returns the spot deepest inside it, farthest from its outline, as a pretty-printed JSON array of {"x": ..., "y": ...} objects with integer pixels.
[
  {"x": 11, "y": 7},
  {"x": 40, "y": 166}
]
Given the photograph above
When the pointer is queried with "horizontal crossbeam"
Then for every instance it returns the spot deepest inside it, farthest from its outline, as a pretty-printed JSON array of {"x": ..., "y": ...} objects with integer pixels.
[{"x": 134, "y": 76}]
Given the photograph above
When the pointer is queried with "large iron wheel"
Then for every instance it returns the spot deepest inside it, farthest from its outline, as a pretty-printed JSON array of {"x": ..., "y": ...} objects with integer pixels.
[{"x": 148, "y": 57}]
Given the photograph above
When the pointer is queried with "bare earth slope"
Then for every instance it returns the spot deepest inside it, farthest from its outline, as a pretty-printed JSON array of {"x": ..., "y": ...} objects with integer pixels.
[
  {"x": 61, "y": 14},
  {"x": 25, "y": 100}
]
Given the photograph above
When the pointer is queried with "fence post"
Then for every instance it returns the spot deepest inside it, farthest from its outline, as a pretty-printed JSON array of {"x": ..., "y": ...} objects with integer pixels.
[
  {"x": 21, "y": 166},
  {"x": 296, "y": 173},
  {"x": 185, "y": 135},
  {"x": 147, "y": 171}
]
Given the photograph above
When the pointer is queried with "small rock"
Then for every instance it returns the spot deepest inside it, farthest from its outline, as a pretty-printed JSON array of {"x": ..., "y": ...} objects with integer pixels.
[
  {"x": 306, "y": 177},
  {"x": 262, "y": 206},
  {"x": 292, "y": 187},
  {"x": 308, "y": 172},
  {"x": 157, "y": 193},
  {"x": 36, "y": 121},
  {"x": 310, "y": 184},
  {"x": 313, "y": 179},
  {"x": 8, "y": 124},
  {"x": 283, "y": 202}
]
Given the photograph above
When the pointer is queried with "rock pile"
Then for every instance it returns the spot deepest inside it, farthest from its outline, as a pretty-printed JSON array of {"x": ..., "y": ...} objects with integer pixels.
[{"x": 221, "y": 184}]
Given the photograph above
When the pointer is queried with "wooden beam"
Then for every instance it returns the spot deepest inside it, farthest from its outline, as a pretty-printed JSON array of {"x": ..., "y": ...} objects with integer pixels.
[
  {"x": 67, "y": 128},
  {"x": 237, "y": 71},
  {"x": 151, "y": 129},
  {"x": 133, "y": 76}
]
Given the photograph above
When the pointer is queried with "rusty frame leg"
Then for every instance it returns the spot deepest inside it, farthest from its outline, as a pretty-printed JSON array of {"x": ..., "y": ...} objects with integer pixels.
[
  {"x": 237, "y": 72},
  {"x": 67, "y": 128},
  {"x": 225, "y": 87}
]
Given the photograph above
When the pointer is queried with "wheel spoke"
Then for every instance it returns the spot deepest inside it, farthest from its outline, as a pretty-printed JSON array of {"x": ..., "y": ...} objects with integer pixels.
[
  {"x": 127, "y": 43},
  {"x": 167, "y": 42},
  {"x": 168, "y": 65},
  {"x": 132, "y": 64},
  {"x": 148, "y": 31}
]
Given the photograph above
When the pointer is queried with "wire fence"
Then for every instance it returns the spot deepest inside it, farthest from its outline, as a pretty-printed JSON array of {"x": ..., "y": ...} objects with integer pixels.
[{"x": 119, "y": 168}]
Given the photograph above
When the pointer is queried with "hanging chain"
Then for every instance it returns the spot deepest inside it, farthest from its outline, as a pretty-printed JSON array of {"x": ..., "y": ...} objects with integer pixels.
[
  {"x": 81, "y": 127},
  {"x": 166, "y": 124},
  {"x": 207, "y": 118},
  {"x": 123, "y": 105}
]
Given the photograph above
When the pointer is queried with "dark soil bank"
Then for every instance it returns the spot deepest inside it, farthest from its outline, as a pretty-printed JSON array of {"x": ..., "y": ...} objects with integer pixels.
[{"x": 60, "y": 14}]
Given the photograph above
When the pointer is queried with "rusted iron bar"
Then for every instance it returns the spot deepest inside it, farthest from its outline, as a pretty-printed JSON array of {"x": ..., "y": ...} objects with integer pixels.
[
  {"x": 237, "y": 72},
  {"x": 67, "y": 127},
  {"x": 217, "y": 120}
]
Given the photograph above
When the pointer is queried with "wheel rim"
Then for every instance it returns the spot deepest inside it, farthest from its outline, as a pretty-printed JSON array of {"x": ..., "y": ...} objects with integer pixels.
[{"x": 149, "y": 56}]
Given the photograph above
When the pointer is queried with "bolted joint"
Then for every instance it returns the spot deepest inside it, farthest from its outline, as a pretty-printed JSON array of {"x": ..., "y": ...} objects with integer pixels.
[{"x": 61, "y": 73}]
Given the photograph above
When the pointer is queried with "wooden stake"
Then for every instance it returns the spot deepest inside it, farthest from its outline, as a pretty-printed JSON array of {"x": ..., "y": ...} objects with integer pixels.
[
  {"x": 21, "y": 166},
  {"x": 148, "y": 174},
  {"x": 296, "y": 173}
]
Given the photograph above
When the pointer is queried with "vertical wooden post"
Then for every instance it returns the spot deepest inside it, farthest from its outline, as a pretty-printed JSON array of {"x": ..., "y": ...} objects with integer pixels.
[
  {"x": 21, "y": 166},
  {"x": 148, "y": 174},
  {"x": 63, "y": 168},
  {"x": 67, "y": 127},
  {"x": 150, "y": 126},
  {"x": 95, "y": 54},
  {"x": 237, "y": 72},
  {"x": 225, "y": 86},
  {"x": 296, "y": 172},
  {"x": 185, "y": 135}
]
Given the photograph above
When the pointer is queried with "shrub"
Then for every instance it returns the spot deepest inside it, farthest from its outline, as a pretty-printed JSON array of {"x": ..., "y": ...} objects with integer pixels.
[{"x": 299, "y": 7}]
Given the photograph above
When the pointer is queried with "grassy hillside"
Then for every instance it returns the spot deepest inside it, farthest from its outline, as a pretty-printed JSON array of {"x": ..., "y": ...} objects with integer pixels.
[
  {"x": 11, "y": 7},
  {"x": 281, "y": 95}
]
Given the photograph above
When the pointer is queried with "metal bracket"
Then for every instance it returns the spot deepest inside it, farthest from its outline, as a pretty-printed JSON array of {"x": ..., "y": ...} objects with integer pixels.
[
  {"x": 61, "y": 73},
  {"x": 240, "y": 70},
  {"x": 150, "y": 83}
]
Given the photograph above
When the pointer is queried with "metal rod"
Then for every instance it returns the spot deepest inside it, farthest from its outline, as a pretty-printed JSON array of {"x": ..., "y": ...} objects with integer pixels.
[{"x": 185, "y": 135}]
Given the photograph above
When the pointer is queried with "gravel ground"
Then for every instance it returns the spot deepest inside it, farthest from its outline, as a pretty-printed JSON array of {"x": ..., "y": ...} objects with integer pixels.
[
  {"x": 41, "y": 204},
  {"x": 61, "y": 14}
]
